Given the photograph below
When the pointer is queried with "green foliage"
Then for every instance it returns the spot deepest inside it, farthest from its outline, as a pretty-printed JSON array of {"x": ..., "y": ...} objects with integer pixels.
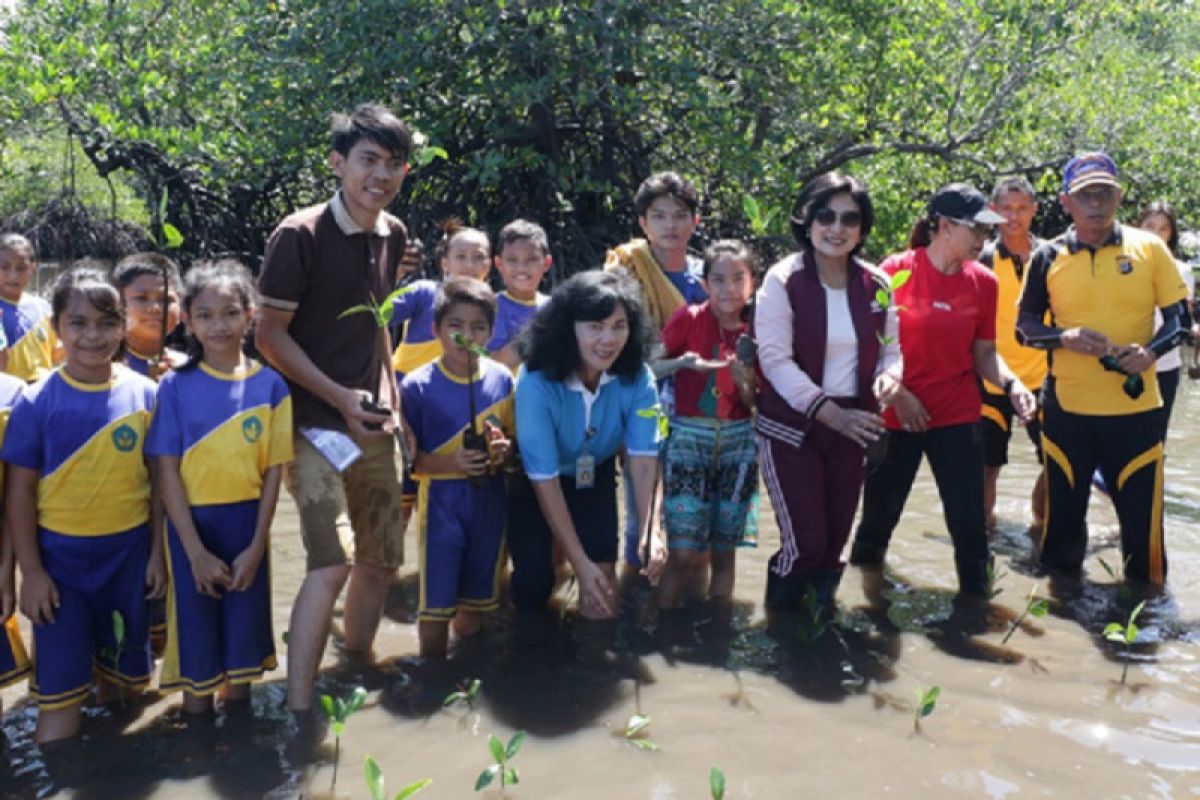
[
  {"x": 225, "y": 104},
  {"x": 467, "y": 693},
  {"x": 655, "y": 412},
  {"x": 374, "y": 777},
  {"x": 339, "y": 711},
  {"x": 926, "y": 703},
  {"x": 113, "y": 654},
  {"x": 1125, "y": 634},
  {"x": 501, "y": 755},
  {"x": 637, "y": 732},
  {"x": 885, "y": 297},
  {"x": 1034, "y": 607},
  {"x": 716, "y": 783}
]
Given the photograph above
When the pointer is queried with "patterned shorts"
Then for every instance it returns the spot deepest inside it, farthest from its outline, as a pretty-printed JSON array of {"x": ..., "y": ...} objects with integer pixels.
[{"x": 710, "y": 484}]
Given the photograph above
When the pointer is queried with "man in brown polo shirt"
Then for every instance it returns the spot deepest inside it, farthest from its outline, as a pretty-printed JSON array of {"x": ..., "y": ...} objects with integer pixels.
[{"x": 319, "y": 262}]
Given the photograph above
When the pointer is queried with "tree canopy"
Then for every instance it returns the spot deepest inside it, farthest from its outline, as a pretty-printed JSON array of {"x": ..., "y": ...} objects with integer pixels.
[{"x": 556, "y": 111}]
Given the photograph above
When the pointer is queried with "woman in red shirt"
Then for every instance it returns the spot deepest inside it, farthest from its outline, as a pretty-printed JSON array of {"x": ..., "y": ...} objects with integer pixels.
[{"x": 947, "y": 337}]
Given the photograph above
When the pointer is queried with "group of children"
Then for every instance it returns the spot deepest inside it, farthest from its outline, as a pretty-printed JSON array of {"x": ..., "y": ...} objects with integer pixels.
[{"x": 100, "y": 456}]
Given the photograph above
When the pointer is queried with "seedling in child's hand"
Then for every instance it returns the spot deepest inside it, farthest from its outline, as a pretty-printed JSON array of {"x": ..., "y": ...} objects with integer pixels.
[
  {"x": 1125, "y": 634},
  {"x": 501, "y": 755},
  {"x": 1034, "y": 607},
  {"x": 637, "y": 732},
  {"x": 374, "y": 777},
  {"x": 467, "y": 344},
  {"x": 468, "y": 693},
  {"x": 338, "y": 711},
  {"x": 113, "y": 654},
  {"x": 926, "y": 703},
  {"x": 885, "y": 297},
  {"x": 716, "y": 783}
]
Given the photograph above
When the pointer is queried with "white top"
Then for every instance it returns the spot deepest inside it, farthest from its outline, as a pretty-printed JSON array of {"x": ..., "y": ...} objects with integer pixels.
[
  {"x": 773, "y": 332},
  {"x": 841, "y": 346},
  {"x": 1172, "y": 360}
]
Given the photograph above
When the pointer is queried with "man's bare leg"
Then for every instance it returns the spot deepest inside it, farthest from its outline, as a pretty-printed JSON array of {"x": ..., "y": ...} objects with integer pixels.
[
  {"x": 365, "y": 600},
  {"x": 308, "y": 631},
  {"x": 991, "y": 476}
]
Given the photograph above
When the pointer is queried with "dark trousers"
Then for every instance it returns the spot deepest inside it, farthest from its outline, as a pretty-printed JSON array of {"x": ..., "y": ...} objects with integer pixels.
[
  {"x": 1128, "y": 450},
  {"x": 1168, "y": 386},
  {"x": 955, "y": 455},
  {"x": 530, "y": 540}
]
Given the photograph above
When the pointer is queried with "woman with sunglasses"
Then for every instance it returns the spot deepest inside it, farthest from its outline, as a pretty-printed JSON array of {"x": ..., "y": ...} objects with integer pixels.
[
  {"x": 947, "y": 310},
  {"x": 829, "y": 356}
]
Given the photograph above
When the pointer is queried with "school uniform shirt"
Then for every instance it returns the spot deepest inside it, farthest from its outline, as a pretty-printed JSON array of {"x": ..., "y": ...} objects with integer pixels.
[
  {"x": 708, "y": 393},
  {"x": 10, "y": 390},
  {"x": 437, "y": 406},
  {"x": 558, "y": 421},
  {"x": 1027, "y": 363},
  {"x": 512, "y": 315},
  {"x": 28, "y": 336},
  {"x": 941, "y": 318},
  {"x": 86, "y": 443},
  {"x": 418, "y": 346},
  {"x": 227, "y": 429}
]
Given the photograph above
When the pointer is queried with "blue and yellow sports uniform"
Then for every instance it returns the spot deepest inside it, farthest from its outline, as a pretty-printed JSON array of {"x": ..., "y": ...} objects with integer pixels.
[
  {"x": 418, "y": 346},
  {"x": 93, "y": 502},
  {"x": 227, "y": 430},
  {"x": 14, "y": 663},
  {"x": 461, "y": 526},
  {"x": 32, "y": 345},
  {"x": 512, "y": 315}
]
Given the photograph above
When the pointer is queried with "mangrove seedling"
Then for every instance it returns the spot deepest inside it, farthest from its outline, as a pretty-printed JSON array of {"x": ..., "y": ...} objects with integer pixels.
[
  {"x": 468, "y": 693},
  {"x": 374, "y": 777},
  {"x": 716, "y": 783},
  {"x": 1125, "y": 634},
  {"x": 993, "y": 581},
  {"x": 501, "y": 756},
  {"x": 113, "y": 654},
  {"x": 760, "y": 220},
  {"x": 338, "y": 711},
  {"x": 637, "y": 732},
  {"x": 926, "y": 703},
  {"x": 885, "y": 297},
  {"x": 1119, "y": 580},
  {"x": 1034, "y": 607},
  {"x": 472, "y": 438},
  {"x": 814, "y": 621}
]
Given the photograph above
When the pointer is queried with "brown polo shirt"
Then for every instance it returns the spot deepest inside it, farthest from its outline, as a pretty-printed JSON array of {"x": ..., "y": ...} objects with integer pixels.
[{"x": 318, "y": 263}]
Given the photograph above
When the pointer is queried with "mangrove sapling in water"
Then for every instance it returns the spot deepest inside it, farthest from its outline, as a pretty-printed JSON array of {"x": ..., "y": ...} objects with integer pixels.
[
  {"x": 637, "y": 732},
  {"x": 1122, "y": 587},
  {"x": 374, "y": 776},
  {"x": 1125, "y": 634},
  {"x": 338, "y": 711},
  {"x": 716, "y": 783},
  {"x": 502, "y": 754},
  {"x": 814, "y": 622},
  {"x": 468, "y": 693},
  {"x": 1034, "y": 607},
  {"x": 926, "y": 703},
  {"x": 113, "y": 654}
]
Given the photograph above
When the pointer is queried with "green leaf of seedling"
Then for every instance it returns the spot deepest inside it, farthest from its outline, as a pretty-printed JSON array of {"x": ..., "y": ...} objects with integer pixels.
[
  {"x": 637, "y": 723},
  {"x": 1039, "y": 607},
  {"x": 172, "y": 238},
  {"x": 357, "y": 698},
  {"x": 882, "y": 298},
  {"x": 497, "y": 748},
  {"x": 286, "y": 636},
  {"x": 486, "y": 777},
  {"x": 118, "y": 623},
  {"x": 928, "y": 700},
  {"x": 328, "y": 706},
  {"x": 374, "y": 776},
  {"x": 473, "y": 689},
  {"x": 359, "y": 309},
  {"x": 716, "y": 783},
  {"x": 413, "y": 788},
  {"x": 643, "y": 744},
  {"x": 1115, "y": 632},
  {"x": 338, "y": 727},
  {"x": 899, "y": 279},
  {"x": 1131, "y": 633},
  {"x": 511, "y": 777},
  {"x": 453, "y": 698},
  {"x": 514, "y": 745}
]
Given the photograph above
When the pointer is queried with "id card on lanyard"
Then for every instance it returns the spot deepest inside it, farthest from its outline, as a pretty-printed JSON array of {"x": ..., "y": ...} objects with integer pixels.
[{"x": 585, "y": 465}]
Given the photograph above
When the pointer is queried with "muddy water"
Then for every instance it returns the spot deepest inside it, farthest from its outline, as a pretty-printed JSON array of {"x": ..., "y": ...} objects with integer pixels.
[{"x": 1044, "y": 715}]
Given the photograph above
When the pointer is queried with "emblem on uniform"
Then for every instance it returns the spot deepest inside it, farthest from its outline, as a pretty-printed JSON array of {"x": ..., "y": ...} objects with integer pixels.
[
  {"x": 1124, "y": 265},
  {"x": 252, "y": 428},
  {"x": 124, "y": 438}
]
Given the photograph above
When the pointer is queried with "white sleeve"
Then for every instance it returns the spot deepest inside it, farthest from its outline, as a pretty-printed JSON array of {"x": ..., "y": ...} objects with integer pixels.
[{"x": 773, "y": 330}]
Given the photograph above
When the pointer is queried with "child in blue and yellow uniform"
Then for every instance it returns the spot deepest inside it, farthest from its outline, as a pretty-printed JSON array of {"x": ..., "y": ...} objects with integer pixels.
[
  {"x": 464, "y": 252},
  {"x": 26, "y": 339},
  {"x": 220, "y": 436},
  {"x": 462, "y": 503},
  {"x": 140, "y": 278},
  {"x": 14, "y": 663},
  {"x": 79, "y": 503},
  {"x": 522, "y": 258}
]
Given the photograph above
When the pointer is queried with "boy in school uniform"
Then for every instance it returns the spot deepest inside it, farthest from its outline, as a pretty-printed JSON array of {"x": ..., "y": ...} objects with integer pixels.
[
  {"x": 522, "y": 258},
  {"x": 27, "y": 341},
  {"x": 462, "y": 503}
]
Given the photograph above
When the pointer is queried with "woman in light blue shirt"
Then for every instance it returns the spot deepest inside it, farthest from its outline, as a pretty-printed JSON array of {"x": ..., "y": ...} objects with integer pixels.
[{"x": 584, "y": 395}]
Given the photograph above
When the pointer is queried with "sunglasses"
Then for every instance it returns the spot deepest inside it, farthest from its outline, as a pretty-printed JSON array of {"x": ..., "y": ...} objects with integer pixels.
[
  {"x": 978, "y": 228},
  {"x": 827, "y": 216}
]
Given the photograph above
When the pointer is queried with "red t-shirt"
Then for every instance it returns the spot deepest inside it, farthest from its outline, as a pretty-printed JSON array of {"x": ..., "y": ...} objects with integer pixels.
[
  {"x": 704, "y": 394},
  {"x": 941, "y": 316}
]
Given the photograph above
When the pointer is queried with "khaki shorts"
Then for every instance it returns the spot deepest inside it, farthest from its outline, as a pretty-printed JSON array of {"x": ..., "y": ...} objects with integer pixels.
[{"x": 350, "y": 517}]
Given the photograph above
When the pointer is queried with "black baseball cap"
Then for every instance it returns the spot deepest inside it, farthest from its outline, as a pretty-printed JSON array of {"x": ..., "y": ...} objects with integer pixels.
[{"x": 963, "y": 202}]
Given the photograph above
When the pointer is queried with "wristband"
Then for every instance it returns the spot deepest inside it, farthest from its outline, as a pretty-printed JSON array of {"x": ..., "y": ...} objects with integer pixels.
[{"x": 1008, "y": 386}]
